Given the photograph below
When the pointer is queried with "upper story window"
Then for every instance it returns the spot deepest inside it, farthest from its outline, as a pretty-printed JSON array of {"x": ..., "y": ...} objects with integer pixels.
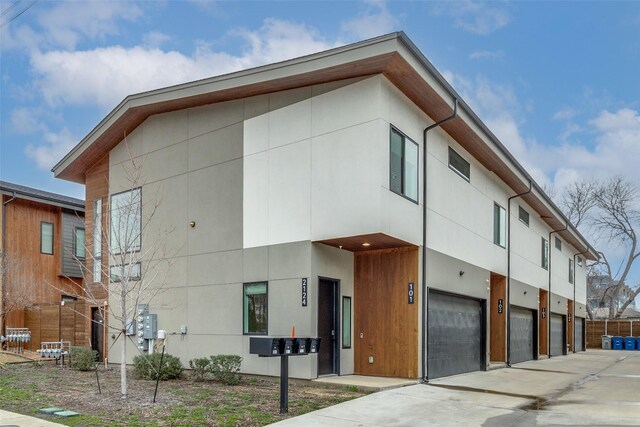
[
  {"x": 126, "y": 216},
  {"x": 78, "y": 243},
  {"x": 579, "y": 261},
  {"x": 523, "y": 215},
  {"x": 558, "y": 243},
  {"x": 129, "y": 271},
  {"x": 459, "y": 165},
  {"x": 545, "y": 254},
  {"x": 97, "y": 241},
  {"x": 46, "y": 238},
  {"x": 255, "y": 308},
  {"x": 499, "y": 225},
  {"x": 570, "y": 271},
  {"x": 403, "y": 170}
]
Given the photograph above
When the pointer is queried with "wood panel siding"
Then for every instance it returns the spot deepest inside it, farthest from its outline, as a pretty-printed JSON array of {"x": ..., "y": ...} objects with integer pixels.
[
  {"x": 375, "y": 241},
  {"x": 383, "y": 317},
  {"x": 71, "y": 266},
  {"x": 543, "y": 325},
  {"x": 498, "y": 319},
  {"x": 55, "y": 322},
  {"x": 570, "y": 322},
  {"x": 31, "y": 277}
]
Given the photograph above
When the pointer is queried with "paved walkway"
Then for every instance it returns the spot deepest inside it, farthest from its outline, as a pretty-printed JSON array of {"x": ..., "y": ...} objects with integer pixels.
[
  {"x": 10, "y": 419},
  {"x": 599, "y": 387}
]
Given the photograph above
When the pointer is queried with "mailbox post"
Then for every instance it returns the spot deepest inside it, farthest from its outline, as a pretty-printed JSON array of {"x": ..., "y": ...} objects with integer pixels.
[{"x": 283, "y": 348}]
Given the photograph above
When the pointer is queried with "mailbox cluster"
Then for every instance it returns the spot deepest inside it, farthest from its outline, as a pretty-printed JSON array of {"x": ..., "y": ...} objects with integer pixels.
[
  {"x": 272, "y": 347},
  {"x": 283, "y": 348}
]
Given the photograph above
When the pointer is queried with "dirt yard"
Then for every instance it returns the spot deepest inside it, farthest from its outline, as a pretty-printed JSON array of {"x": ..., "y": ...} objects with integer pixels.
[{"x": 28, "y": 387}]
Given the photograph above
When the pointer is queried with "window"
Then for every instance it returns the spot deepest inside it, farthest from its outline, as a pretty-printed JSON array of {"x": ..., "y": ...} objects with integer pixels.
[
  {"x": 499, "y": 225},
  {"x": 46, "y": 238},
  {"x": 523, "y": 215},
  {"x": 459, "y": 165},
  {"x": 126, "y": 215},
  {"x": 571, "y": 271},
  {"x": 403, "y": 170},
  {"x": 78, "y": 243},
  {"x": 97, "y": 241},
  {"x": 346, "y": 322},
  {"x": 579, "y": 261},
  {"x": 545, "y": 254},
  {"x": 131, "y": 271},
  {"x": 558, "y": 244},
  {"x": 254, "y": 308}
]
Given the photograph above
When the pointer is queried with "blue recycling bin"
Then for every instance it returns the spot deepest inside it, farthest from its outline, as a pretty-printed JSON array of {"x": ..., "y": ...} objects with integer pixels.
[
  {"x": 629, "y": 343},
  {"x": 638, "y": 344},
  {"x": 618, "y": 343}
]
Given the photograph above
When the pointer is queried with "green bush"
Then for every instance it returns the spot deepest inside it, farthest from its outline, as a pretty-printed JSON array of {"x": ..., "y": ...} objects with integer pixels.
[
  {"x": 223, "y": 368},
  {"x": 82, "y": 358},
  {"x": 147, "y": 367},
  {"x": 200, "y": 368}
]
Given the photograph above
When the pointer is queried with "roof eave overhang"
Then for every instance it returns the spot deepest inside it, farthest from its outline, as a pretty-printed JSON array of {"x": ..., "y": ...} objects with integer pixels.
[{"x": 393, "y": 55}]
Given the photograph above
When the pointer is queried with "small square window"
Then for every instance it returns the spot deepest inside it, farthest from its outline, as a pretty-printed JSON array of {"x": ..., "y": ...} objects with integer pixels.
[
  {"x": 558, "y": 243},
  {"x": 255, "y": 304},
  {"x": 403, "y": 168},
  {"x": 580, "y": 261},
  {"x": 545, "y": 254},
  {"x": 46, "y": 238},
  {"x": 459, "y": 165},
  {"x": 499, "y": 225},
  {"x": 523, "y": 215}
]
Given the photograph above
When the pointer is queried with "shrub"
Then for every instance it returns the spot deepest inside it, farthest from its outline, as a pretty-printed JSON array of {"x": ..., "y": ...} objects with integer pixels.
[
  {"x": 82, "y": 358},
  {"x": 224, "y": 368},
  {"x": 201, "y": 368},
  {"x": 147, "y": 367}
]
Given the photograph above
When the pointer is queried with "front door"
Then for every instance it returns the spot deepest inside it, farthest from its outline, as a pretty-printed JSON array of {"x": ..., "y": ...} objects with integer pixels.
[
  {"x": 97, "y": 331},
  {"x": 328, "y": 291}
]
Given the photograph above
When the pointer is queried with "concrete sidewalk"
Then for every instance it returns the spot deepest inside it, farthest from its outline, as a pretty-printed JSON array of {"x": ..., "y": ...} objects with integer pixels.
[
  {"x": 599, "y": 387},
  {"x": 12, "y": 419}
]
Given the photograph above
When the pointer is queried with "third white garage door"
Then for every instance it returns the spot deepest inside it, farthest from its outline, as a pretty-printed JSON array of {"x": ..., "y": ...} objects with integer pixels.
[
  {"x": 455, "y": 335},
  {"x": 558, "y": 334}
]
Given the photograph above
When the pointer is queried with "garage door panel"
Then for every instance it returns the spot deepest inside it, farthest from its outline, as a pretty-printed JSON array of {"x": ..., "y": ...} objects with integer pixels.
[
  {"x": 522, "y": 332},
  {"x": 579, "y": 334},
  {"x": 557, "y": 335},
  {"x": 454, "y": 335}
]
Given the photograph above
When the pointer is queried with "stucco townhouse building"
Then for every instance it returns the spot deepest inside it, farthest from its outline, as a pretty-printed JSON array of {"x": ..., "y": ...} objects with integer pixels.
[{"x": 351, "y": 194}]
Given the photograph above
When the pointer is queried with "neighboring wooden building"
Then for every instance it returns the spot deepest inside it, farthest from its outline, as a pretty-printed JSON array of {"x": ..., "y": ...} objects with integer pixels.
[{"x": 42, "y": 253}]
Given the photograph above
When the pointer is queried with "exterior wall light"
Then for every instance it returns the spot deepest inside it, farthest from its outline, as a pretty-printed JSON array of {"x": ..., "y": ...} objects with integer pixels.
[
  {"x": 192, "y": 224},
  {"x": 366, "y": 244}
]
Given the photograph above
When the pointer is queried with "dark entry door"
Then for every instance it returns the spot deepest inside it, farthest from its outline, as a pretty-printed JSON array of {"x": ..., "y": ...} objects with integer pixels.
[
  {"x": 97, "y": 331},
  {"x": 558, "y": 335},
  {"x": 328, "y": 326},
  {"x": 455, "y": 335},
  {"x": 523, "y": 333}
]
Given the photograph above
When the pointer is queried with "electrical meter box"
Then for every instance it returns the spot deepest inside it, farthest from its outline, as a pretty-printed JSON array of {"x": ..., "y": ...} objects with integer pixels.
[{"x": 150, "y": 326}]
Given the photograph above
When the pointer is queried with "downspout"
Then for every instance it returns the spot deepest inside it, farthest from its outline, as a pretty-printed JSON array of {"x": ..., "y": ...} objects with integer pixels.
[
  {"x": 566, "y": 224},
  {"x": 573, "y": 315},
  {"x": 424, "y": 233},
  {"x": 509, "y": 270},
  {"x": 4, "y": 273}
]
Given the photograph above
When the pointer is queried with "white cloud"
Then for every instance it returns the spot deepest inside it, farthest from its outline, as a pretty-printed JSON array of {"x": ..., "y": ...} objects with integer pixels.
[
  {"x": 566, "y": 113},
  {"x": 155, "y": 39},
  {"x": 104, "y": 76},
  {"x": 476, "y": 17},
  {"x": 25, "y": 121},
  {"x": 375, "y": 21},
  {"x": 65, "y": 24},
  {"x": 55, "y": 147},
  {"x": 485, "y": 54}
]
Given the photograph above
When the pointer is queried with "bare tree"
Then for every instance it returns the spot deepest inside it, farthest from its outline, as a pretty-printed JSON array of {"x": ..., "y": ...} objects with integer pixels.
[
  {"x": 130, "y": 264},
  {"x": 19, "y": 290},
  {"x": 610, "y": 213}
]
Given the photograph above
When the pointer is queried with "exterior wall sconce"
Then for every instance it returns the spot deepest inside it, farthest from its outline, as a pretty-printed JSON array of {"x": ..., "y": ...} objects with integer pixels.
[
  {"x": 192, "y": 224},
  {"x": 461, "y": 273}
]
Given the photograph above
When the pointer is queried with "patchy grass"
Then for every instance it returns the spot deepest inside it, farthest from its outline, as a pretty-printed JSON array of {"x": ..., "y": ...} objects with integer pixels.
[{"x": 26, "y": 388}]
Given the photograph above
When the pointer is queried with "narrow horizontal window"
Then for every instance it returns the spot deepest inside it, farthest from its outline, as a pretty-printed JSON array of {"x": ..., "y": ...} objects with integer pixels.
[
  {"x": 459, "y": 165},
  {"x": 523, "y": 215},
  {"x": 131, "y": 272}
]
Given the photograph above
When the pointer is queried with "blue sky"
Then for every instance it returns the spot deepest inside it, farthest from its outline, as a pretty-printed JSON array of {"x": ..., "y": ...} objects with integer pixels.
[{"x": 557, "y": 82}]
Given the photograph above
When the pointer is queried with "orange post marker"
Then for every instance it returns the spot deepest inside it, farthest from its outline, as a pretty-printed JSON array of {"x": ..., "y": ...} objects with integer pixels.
[{"x": 293, "y": 332}]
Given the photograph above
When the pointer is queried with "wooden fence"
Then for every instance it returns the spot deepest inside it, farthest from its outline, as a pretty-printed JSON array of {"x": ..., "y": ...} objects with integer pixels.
[
  {"x": 55, "y": 322},
  {"x": 618, "y": 328}
]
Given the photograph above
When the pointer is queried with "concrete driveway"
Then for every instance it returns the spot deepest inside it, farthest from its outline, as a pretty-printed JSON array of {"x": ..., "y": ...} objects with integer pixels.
[{"x": 598, "y": 387}]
